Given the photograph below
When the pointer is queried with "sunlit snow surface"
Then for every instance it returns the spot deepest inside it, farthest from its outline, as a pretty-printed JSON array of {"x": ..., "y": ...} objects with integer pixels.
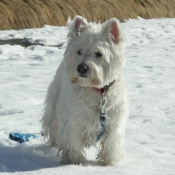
[{"x": 150, "y": 72}]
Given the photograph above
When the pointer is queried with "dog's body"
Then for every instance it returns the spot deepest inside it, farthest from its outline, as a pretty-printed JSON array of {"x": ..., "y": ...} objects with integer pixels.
[{"x": 71, "y": 121}]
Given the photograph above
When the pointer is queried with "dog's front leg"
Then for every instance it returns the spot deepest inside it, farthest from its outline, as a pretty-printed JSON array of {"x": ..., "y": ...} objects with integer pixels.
[
  {"x": 111, "y": 148},
  {"x": 70, "y": 144}
]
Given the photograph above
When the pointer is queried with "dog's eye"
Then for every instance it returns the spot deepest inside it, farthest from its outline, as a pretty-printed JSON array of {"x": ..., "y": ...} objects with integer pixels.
[
  {"x": 98, "y": 54},
  {"x": 79, "y": 52}
]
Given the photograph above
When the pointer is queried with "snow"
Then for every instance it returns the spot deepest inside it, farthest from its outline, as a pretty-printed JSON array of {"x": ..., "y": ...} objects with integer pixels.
[{"x": 150, "y": 136}]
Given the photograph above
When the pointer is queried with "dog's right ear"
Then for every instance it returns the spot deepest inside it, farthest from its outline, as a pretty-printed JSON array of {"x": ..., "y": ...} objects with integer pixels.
[
  {"x": 113, "y": 30},
  {"x": 76, "y": 26}
]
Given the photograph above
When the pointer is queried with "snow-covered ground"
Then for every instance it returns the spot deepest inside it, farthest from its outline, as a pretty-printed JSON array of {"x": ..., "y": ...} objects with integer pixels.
[{"x": 150, "y": 72}]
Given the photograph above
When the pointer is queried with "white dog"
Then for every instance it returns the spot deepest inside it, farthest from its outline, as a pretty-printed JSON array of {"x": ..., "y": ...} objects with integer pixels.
[{"x": 87, "y": 100}]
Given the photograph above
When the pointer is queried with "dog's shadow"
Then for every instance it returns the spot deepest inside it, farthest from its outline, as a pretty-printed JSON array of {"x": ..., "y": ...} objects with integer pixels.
[{"x": 27, "y": 157}]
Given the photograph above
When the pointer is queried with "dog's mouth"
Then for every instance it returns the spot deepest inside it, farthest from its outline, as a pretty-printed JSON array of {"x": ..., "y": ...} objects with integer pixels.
[{"x": 83, "y": 76}]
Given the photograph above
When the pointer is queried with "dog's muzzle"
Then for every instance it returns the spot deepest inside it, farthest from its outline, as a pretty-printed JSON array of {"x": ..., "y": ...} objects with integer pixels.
[{"x": 82, "y": 69}]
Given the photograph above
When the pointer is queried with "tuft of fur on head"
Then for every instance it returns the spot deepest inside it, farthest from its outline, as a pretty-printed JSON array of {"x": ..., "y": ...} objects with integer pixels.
[{"x": 99, "y": 46}]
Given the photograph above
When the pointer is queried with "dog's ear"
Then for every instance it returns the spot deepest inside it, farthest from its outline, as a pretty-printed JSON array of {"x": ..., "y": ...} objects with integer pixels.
[
  {"x": 77, "y": 25},
  {"x": 112, "y": 29}
]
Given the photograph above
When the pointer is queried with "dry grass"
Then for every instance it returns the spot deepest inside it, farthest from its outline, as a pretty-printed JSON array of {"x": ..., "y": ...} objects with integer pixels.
[{"x": 20, "y": 14}]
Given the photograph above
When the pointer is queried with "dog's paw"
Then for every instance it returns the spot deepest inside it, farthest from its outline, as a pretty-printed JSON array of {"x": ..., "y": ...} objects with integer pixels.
[
  {"x": 72, "y": 159},
  {"x": 107, "y": 163},
  {"x": 109, "y": 159}
]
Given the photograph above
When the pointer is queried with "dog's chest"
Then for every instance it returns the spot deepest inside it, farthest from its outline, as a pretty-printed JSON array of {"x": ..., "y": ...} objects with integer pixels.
[
  {"x": 85, "y": 111},
  {"x": 88, "y": 104}
]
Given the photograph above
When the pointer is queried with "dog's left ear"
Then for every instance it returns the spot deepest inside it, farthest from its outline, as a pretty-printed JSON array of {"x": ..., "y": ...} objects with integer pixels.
[
  {"x": 77, "y": 25},
  {"x": 112, "y": 29}
]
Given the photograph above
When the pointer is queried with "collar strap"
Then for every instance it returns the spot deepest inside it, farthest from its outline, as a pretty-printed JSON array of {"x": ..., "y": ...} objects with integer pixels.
[{"x": 105, "y": 88}]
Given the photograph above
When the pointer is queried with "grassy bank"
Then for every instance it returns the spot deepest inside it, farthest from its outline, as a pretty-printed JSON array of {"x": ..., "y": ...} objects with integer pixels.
[{"x": 20, "y": 14}]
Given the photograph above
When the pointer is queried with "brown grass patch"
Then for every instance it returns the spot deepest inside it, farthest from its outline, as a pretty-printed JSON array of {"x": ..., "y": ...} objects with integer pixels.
[{"x": 20, "y": 14}]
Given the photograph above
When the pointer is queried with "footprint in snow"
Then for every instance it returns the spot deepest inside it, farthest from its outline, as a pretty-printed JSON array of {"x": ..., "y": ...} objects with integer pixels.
[
  {"x": 148, "y": 67},
  {"x": 10, "y": 112}
]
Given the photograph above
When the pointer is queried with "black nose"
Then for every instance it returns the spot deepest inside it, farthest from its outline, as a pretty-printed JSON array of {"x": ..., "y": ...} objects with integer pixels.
[{"x": 82, "y": 69}]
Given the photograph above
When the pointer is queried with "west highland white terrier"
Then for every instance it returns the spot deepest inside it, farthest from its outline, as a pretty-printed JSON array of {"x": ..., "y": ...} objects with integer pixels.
[{"x": 86, "y": 102}]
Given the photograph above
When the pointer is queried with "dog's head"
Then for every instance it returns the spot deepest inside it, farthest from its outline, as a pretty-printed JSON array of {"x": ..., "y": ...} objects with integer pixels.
[{"x": 94, "y": 55}]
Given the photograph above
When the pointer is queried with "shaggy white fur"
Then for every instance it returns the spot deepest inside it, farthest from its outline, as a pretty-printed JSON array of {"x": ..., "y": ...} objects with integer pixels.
[{"x": 71, "y": 120}]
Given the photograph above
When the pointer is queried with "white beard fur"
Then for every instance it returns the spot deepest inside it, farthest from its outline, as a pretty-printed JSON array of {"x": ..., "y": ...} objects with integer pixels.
[{"x": 71, "y": 119}]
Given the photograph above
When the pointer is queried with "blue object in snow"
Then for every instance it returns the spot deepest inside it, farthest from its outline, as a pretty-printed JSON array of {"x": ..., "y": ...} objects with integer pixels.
[{"x": 21, "y": 137}]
